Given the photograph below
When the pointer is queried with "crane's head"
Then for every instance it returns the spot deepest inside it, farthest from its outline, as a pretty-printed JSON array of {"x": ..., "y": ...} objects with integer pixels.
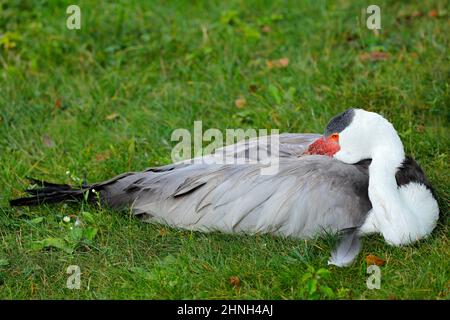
[{"x": 354, "y": 135}]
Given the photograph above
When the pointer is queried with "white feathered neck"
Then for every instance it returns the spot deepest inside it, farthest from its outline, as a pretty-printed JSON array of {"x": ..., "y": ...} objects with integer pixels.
[{"x": 402, "y": 214}]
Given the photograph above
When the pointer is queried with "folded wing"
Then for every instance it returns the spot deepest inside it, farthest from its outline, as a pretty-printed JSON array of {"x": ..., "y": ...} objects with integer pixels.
[{"x": 308, "y": 195}]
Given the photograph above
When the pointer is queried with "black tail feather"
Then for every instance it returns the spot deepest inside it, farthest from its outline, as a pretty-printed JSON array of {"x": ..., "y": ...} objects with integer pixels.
[{"x": 49, "y": 193}]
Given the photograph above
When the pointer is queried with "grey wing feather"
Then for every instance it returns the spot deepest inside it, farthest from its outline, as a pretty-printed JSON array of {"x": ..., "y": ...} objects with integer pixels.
[
  {"x": 308, "y": 195},
  {"x": 347, "y": 249}
]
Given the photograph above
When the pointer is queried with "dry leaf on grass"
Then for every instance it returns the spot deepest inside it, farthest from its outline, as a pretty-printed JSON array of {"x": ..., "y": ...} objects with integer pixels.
[
  {"x": 240, "y": 102},
  {"x": 374, "y": 56},
  {"x": 235, "y": 281},
  {"x": 351, "y": 37},
  {"x": 102, "y": 156},
  {"x": 417, "y": 14},
  {"x": 253, "y": 88},
  {"x": 112, "y": 116},
  {"x": 58, "y": 104},
  {"x": 420, "y": 128},
  {"x": 372, "y": 259},
  {"x": 277, "y": 64},
  {"x": 409, "y": 16},
  {"x": 163, "y": 232},
  {"x": 266, "y": 29},
  {"x": 433, "y": 14}
]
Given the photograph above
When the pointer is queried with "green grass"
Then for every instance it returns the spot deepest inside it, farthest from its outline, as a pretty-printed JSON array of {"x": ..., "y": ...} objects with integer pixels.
[{"x": 160, "y": 66}]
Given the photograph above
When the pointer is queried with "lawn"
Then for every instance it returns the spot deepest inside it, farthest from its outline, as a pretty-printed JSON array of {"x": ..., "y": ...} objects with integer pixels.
[{"x": 105, "y": 99}]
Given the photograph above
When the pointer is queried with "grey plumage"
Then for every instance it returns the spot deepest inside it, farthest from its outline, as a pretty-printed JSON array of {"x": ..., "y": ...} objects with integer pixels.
[
  {"x": 310, "y": 193},
  {"x": 347, "y": 249}
]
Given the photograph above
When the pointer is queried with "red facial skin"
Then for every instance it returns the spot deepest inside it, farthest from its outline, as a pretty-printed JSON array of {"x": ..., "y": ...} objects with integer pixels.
[{"x": 327, "y": 146}]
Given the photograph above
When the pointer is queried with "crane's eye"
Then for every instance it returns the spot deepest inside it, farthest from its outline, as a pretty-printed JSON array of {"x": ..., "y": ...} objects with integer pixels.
[{"x": 334, "y": 137}]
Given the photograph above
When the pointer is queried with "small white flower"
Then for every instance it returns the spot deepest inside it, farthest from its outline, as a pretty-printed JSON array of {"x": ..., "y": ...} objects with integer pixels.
[
  {"x": 67, "y": 172},
  {"x": 77, "y": 222},
  {"x": 66, "y": 219}
]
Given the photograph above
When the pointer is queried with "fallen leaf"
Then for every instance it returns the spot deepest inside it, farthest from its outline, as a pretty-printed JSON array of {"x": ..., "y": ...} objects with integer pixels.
[
  {"x": 58, "y": 104},
  {"x": 409, "y": 16},
  {"x": 374, "y": 56},
  {"x": 48, "y": 142},
  {"x": 162, "y": 232},
  {"x": 235, "y": 281},
  {"x": 372, "y": 259},
  {"x": 437, "y": 14},
  {"x": 102, "y": 156},
  {"x": 280, "y": 63},
  {"x": 240, "y": 102},
  {"x": 351, "y": 37},
  {"x": 112, "y": 116},
  {"x": 284, "y": 62},
  {"x": 420, "y": 128},
  {"x": 433, "y": 14},
  {"x": 253, "y": 88},
  {"x": 266, "y": 29}
]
